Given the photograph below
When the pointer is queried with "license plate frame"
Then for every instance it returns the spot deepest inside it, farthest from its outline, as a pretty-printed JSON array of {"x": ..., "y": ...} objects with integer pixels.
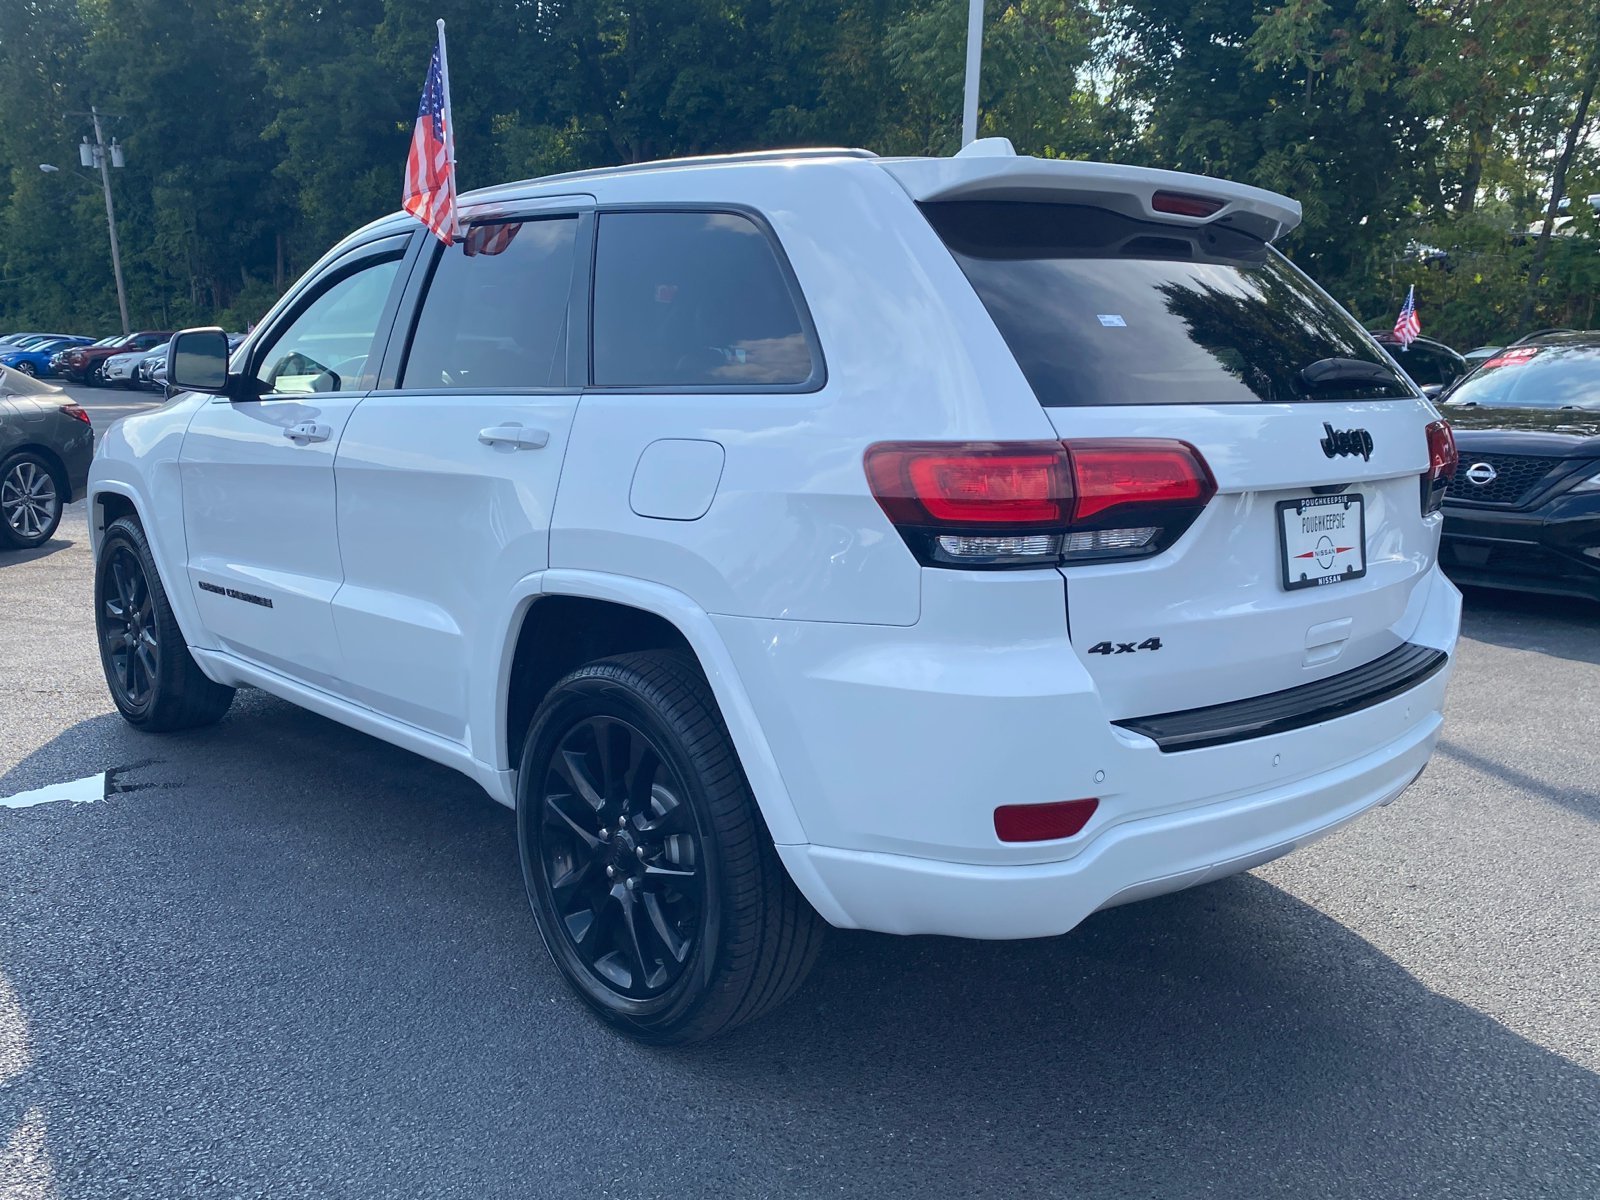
[{"x": 1316, "y": 548}]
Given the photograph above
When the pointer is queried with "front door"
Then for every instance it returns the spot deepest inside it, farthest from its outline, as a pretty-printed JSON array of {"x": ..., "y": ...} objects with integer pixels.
[
  {"x": 258, "y": 499},
  {"x": 446, "y": 480}
]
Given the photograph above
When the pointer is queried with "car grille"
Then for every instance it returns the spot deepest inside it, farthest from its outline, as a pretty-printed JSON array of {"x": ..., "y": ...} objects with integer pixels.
[{"x": 1516, "y": 475}]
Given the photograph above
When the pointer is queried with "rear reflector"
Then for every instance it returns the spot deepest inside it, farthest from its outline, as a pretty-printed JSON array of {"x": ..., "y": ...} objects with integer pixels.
[
  {"x": 1184, "y": 205},
  {"x": 1010, "y": 504},
  {"x": 1042, "y": 822}
]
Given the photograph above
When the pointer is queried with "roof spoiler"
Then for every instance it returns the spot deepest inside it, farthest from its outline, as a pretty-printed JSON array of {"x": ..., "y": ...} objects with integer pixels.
[{"x": 1131, "y": 191}]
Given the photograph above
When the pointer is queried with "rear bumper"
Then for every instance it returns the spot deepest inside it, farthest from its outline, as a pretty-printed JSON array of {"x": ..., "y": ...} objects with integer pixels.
[{"x": 894, "y": 893}]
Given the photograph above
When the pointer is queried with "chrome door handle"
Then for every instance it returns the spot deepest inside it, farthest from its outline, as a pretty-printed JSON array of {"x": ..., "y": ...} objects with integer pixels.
[
  {"x": 515, "y": 435},
  {"x": 308, "y": 431}
]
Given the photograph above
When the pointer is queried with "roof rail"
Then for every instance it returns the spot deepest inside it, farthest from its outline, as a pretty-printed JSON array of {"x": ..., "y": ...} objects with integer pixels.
[
  {"x": 700, "y": 160},
  {"x": 1539, "y": 333}
]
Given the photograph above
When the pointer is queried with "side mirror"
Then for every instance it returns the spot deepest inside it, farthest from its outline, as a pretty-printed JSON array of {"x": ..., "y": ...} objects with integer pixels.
[
  {"x": 1432, "y": 390},
  {"x": 197, "y": 361}
]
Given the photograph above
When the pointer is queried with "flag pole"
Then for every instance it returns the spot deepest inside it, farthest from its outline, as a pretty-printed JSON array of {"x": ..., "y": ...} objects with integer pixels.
[{"x": 449, "y": 128}]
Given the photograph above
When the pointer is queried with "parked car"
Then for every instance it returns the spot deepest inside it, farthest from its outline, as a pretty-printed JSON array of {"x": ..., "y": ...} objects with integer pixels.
[
  {"x": 11, "y": 339},
  {"x": 38, "y": 339},
  {"x": 153, "y": 370},
  {"x": 949, "y": 546},
  {"x": 58, "y": 360},
  {"x": 121, "y": 370},
  {"x": 46, "y": 442},
  {"x": 83, "y": 365},
  {"x": 1432, "y": 365},
  {"x": 1523, "y": 513},
  {"x": 33, "y": 357}
]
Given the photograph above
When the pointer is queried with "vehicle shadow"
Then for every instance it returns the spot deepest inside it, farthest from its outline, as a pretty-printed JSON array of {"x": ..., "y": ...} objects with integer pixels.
[
  {"x": 12, "y": 558},
  {"x": 1563, "y": 626},
  {"x": 302, "y": 961}
]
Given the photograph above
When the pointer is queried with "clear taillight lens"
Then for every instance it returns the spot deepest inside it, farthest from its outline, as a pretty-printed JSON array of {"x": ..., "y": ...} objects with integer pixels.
[
  {"x": 1011, "y": 504},
  {"x": 1442, "y": 459}
]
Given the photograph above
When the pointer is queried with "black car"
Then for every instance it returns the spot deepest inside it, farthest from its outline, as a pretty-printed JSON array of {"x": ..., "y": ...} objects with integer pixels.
[
  {"x": 1432, "y": 365},
  {"x": 46, "y": 443},
  {"x": 1523, "y": 511}
]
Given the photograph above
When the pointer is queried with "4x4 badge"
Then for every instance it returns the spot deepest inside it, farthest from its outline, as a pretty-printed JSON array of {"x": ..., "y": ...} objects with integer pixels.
[{"x": 1347, "y": 441}]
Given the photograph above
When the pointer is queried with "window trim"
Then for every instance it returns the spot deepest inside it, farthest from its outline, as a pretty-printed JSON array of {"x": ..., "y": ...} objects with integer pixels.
[
  {"x": 395, "y": 248},
  {"x": 814, "y": 382},
  {"x": 392, "y": 373}
]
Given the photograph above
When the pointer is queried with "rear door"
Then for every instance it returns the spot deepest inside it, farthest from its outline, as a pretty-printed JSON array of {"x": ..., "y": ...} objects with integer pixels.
[
  {"x": 447, "y": 473},
  {"x": 1305, "y": 562}
]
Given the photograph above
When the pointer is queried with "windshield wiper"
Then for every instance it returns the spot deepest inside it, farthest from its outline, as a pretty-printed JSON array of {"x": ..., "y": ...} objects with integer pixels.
[{"x": 1328, "y": 372}]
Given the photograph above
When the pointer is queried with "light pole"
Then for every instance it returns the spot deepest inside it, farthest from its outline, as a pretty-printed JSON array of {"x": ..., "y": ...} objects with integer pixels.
[
  {"x": 104, "y": 156},
  {"x": 969, "y": 109}
]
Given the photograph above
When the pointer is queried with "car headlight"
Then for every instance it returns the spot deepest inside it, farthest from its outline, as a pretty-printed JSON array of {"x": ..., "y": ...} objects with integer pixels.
[{"x": 1591, "y": 484}]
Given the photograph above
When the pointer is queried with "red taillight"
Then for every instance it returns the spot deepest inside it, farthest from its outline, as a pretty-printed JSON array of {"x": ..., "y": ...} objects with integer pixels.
[
  {"x": 1183, "y": 205},
  {"x": 1042, "y": 822},
  {"x": 1114, "y": 471},
  {"x": 990, "y": 504},
  {"x": 1442, "y": 459},
  {"x": 72, "y": 410},
  {"x": 972, "y": 483}
]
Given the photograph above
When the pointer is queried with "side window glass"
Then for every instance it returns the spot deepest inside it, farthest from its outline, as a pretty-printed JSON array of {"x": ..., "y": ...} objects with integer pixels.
[
  {"x": 325, "y": 348},
  {"x": 684, "y": 298},
  {"x": 495, "y": 313}
]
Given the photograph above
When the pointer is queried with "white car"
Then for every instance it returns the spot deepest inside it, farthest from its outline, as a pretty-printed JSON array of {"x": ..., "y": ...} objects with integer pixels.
[
  {"x": 122, "y": 370},
  {"x": 951, "y": 546}
]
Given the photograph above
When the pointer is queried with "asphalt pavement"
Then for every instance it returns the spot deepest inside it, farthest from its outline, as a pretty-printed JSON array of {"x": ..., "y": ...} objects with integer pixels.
[{"x": 284, "y": 959}]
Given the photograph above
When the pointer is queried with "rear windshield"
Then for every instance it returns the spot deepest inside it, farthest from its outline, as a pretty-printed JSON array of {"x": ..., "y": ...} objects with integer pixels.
[
  {"x": 1534, "y": 377},
  {"x": 1100, "y": 308}
]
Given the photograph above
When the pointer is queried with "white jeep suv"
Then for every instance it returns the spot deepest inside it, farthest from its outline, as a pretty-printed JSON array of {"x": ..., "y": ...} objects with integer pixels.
[{"x": 951, "y": 546}]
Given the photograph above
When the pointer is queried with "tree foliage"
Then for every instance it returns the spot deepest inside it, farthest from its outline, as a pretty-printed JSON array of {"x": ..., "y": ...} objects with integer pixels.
[{"x": 1420, "y": 136}]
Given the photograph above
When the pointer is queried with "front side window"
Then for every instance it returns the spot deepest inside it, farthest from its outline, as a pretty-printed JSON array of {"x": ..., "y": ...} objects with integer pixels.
[
  {"x": 325, "y": 348},
  {"x": 495, "y": 314},
  {"x": 1102, "y": 308},
  {"x": 686, "y": 299}
]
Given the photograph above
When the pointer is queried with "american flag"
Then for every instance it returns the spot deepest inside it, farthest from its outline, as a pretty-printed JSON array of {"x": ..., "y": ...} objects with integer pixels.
[
  {"x": 1406, "y": 325},
  {"x": 430, "y": 192},
  {"x": 490, "y": 239}
]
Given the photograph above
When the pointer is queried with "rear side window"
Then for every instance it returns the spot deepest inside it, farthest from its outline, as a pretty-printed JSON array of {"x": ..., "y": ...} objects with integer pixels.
[
  {"x": 687, "y": 299},
  {"x": 495, "y": 312},
  {"x": 1100, "y": 308}
]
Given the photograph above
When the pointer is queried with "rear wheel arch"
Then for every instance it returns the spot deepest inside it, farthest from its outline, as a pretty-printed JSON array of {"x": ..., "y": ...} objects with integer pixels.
[{"x": 57, "y": 467}]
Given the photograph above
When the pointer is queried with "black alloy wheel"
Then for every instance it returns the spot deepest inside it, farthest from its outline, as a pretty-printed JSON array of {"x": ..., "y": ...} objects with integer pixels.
[
  {"x": 154, "y": 680},
  {"x": 30, "y": 502},
  {"x": 621, "y": 857},
  {"x": 654, "y": 882}
]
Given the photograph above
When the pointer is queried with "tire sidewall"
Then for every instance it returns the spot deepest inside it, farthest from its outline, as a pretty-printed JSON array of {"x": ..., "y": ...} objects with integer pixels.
[{"x": 616, "y": 694}]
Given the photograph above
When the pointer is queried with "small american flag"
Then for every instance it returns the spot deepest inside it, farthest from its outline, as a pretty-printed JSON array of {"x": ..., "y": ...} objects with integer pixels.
[
  {"x": 430, "y": 191},
  {"x": 490, "y": 239},
  {"x": 1406, "y": 325}
]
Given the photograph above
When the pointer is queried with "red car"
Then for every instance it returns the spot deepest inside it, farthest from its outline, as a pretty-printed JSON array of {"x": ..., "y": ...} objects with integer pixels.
[{"x": 83, "y": 364}]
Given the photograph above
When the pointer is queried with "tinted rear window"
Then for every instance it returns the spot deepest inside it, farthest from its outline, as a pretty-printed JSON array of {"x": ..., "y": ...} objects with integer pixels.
[
  {"x": 1535, "y": 377},
  {"x": 1100, "y": 308},
  {"x": 693, "y": 299}
]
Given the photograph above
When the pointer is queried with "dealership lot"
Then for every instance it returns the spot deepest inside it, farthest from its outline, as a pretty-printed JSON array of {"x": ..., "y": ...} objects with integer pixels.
[{"x": 291, "y": 960}]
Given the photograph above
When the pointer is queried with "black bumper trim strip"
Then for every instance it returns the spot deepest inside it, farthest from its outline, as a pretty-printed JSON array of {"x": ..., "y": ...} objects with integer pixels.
[{"x": 1400, "y": 670}]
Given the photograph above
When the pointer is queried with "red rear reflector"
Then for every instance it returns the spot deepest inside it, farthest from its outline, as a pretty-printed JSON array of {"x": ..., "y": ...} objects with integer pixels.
[
  {"x": 1184, "y": 205},
  {"x": 1042, "y": 822},
  {"x": 72, "y": 410},
  {"x": 972, "y": 483},
  {"x": 1112, "y": 471}
]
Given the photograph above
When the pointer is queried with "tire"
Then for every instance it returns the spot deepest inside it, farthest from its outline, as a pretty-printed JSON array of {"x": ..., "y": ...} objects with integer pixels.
[
  {"x": 32, "y": 496},
  {"x": 695, "y": 926},
  {"x": 155, "y": 682},
  {"x": 27, "y": 368}
]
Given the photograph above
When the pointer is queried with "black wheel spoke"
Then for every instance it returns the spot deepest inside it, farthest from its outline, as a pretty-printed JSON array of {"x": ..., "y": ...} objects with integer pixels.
[{"x": 619, "y": 854}]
